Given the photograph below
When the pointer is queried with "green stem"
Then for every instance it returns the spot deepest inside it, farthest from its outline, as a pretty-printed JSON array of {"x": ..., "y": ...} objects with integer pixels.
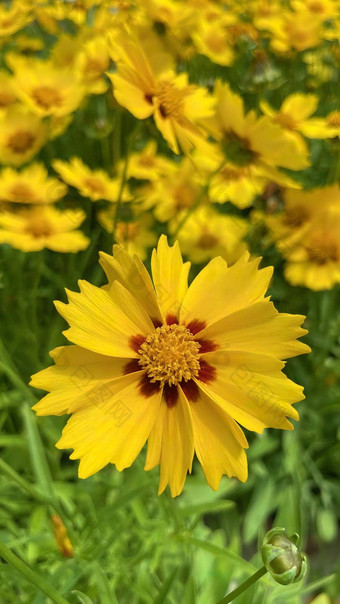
[
  {"x": 24, "y": 484},
  {"x": 197, "y": 201},
  {"x": 241, "y": 588},
  {"x": 31, "y": 575}
]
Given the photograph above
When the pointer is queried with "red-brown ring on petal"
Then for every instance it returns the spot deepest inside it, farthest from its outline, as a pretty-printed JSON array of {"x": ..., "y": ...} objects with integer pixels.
[
  {"x": 190, "y": 390},
  {"x": 195, "y": 326},
  {"x": 135, "y": 342},
  {"x": 148, "y": 98},
  {"x": 206, "y": 346},
  {"x": 170, "y": 394},
  {"x": 207, "y": 372},
  {"x": 147, "y": 388},
  {"x": 171, "y": 319},
  {"x": 156, "y": 322},
  {"x": 132, "y": 366}
]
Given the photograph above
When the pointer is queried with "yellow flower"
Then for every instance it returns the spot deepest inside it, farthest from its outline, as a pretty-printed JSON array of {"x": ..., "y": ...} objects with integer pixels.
[
  {"x": 147, "y": 85},
  {"x": 299, "y": 209},
  {"x": 213, "y": 39},
  {"x": 36, "y": 228},
  {"x": 295, "y": 114},
  {"x": 13, "y": 18},
  {"x": 174, "y": 193},
  {"x": 250, "y": 141},
  {"x": 137, "y": 236},
  {"x": 147, "y": 164},
  {"x": 91, "y": 63},
  {"x": 22, "y": 134},
  {"x": 314, "y": 261},
  {"x": 177, "y": 366},
  {"x": 322, "y": 9},
  {"x": 45, "y": 89},
  {"x": 207, "y": 234},
  {"x": 31, "y": 185},
  {"x": 292, "y": 30},
  {"x": 94, "y": 184},
  {"x": 7, "y": 94}
]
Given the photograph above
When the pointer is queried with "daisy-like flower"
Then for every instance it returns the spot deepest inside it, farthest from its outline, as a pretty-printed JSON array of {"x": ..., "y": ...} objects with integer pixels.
[
  {"x": 30, "y": 185},
  {"x": 13, "y": 18},
  {"x": 40, "y": 227},
  {"x": 22, "y": 134},
  {"x": 137, "y": 236},
  {"x": 46, "y": 89},
  {"x": 258, "y": 143},
  {"x": 147, "y": 85},
  {"x": 207, "y": 234},
  {"x": 94, "y": 184},
  {"x": 180, "y": 367},
  {"x": 314, "y": 261},
  {"x": 295, "y": 115}
]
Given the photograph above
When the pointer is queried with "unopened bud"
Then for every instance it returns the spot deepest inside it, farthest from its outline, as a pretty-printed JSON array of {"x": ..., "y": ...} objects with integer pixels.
[{"x": 282, "y": 557}]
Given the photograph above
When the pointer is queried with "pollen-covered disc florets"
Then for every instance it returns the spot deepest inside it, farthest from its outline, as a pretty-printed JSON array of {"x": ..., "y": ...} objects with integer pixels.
[{"x": 170, "y": 355}]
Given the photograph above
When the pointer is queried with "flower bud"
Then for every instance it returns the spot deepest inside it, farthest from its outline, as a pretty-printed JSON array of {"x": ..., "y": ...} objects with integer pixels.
[{"x": 282, "y": 558}]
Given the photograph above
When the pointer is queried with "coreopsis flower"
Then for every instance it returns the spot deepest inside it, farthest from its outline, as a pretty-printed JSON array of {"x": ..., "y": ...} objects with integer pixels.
[
  {"x": 13, "y": 18},
  {"x": 300, "y": 208},
  {"x": 174, "y": 193},
  {"x": 7, "y": 94},
  {"x": 94, "y": 184},
  {"x": 294, "y": 30},
  {"x": 147, "y": 164},
  {"x": 314, "y": 260},
  {"x": 91, "y": 63},
  {"x": 22, "y": 134},
  {"x": 180, "y": 367},
  {"x": 31, "y": 185},
  {"x": 322, "y": 9},
  {"x": 207, "y": 234},
  {"x": 295, "y": 114},
  {"x": 46, "y": 89},
  {"x": 40, "y": 227},
  {"x": 137, "y": 236},
  {"x": 147, "y": 85},
  {"x": 247, "y": 140},
  {"x": 213, "y": 39}
]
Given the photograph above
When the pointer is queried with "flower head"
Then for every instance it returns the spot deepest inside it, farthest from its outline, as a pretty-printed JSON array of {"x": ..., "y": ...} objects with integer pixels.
[{"x": 177, "y": 366}]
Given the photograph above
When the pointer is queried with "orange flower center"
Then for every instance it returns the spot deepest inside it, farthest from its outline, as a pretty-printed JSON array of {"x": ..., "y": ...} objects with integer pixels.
[
  {"x": 170, "y": 99},
  {"x": 286, "y": 121},
  {"x": 39, "y": 228},
  {"x": 327, "y": 252},
  {"x": 207, "y": 241},
  {"x": 94, "y": 185},
  {"x": 170, "y": 355},
  {"x": 21, "y": 192},
  {"x": 334, "y": 119},
  {"x": 21, "y": 141},
  {"x": 6, "y": 98},
  {"x": 47, "y": 97}
]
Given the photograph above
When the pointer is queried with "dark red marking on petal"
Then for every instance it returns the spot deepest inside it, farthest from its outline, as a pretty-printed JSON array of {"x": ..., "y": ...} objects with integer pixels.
[
  {"x": 206, "y": 346},
  {"x": 156, "y": 322},
  {"x": 171, "y": 319},
  {"x": 135, "y": 342},
  {"x": 170, "y": 394},
  {"x": 195, "y": 326},
  {"x": 148, "y": 98},
  {"x": 147, "y": 388},
  {"x": 190, "y": 390},
  {"x": 132, "y": 366},
  {"x": 207, "y": 372}
]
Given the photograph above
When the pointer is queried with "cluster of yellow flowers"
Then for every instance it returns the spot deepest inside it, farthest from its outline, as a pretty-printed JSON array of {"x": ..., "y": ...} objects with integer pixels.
[
  {"x": 197, "y": 119},
  {"x": 157, "y": 59}
]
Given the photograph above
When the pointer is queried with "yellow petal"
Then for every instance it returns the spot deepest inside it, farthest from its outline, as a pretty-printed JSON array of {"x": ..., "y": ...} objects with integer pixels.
[
  {"x": 219, "y": 442},
  {"x": 113, "y": 431},
  {"x": 218, "y": 290},
  {"x": 132, "y": 274},
  {"x": 300, "y": 106},
  {"x": 99, "y": 323},
  {"x": 259, "y": 328},
  {"x": 170, "y": 276}
]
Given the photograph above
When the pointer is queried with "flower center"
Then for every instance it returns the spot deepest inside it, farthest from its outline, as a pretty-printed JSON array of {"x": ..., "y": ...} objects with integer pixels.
[
  {"x": 94, "y": 185},
  {"x": 334, "y": 119},
  {"x": 21, "y": 141},
  {"x": 47, "y": 97},
  {"x": 169, "y": 99},
  {"x": 323, "y": 254},
  {"x": 38, "y": 228},
  {"x": 286, "y": 121},
  {"x": 207, "y": 241},
  {"x": 22, "y": 193},
  {"x": 170, "y": 355}
]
